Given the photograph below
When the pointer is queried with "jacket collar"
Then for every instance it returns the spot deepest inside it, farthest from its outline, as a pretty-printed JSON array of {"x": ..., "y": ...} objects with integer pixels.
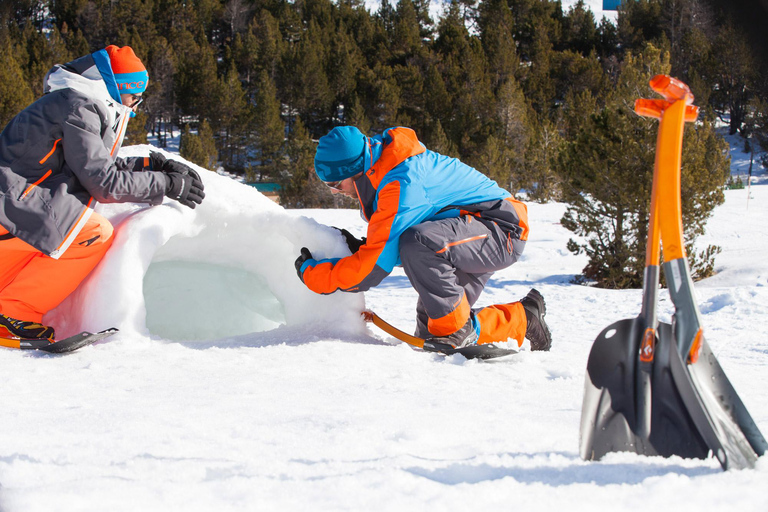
[{"x": 390, "y": 150}]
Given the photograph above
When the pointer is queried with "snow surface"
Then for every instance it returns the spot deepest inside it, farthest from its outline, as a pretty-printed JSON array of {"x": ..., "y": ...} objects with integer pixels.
[{"x": 241, "y": 390}]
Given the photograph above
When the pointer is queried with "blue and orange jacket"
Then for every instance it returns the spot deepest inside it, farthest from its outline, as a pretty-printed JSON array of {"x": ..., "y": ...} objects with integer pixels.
[{"x": 406, "y": 184}]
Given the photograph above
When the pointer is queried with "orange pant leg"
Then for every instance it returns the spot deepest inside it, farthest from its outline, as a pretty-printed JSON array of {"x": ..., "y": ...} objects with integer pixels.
[
  {"x": 31, "y": 283},
  {"x": 501, "y": 322}
]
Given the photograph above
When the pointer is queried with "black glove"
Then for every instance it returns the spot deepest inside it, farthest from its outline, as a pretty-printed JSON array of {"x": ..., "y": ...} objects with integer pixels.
[
  {"x": 183, "y": 184},
  {"x": 305, "y": 255},
  {"x": 353, "y": 243},
  {"x": 156, "y": 161}
]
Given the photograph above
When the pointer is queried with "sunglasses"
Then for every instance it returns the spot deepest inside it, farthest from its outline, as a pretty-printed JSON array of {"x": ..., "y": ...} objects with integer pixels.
[
  {"x": 334, "y": 185},
  {"x": 136, "y": 100}
]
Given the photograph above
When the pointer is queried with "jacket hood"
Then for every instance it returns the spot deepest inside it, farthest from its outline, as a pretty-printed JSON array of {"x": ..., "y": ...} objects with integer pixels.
[{"x": 90, "y": 75}]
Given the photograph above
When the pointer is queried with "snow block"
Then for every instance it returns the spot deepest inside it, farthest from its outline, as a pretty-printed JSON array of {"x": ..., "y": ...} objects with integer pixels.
[{"x": 224, "y": 269}]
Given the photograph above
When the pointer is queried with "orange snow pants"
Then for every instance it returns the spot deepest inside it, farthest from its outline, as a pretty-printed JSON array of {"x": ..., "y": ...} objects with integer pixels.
[{"x": 31, "y": 283}]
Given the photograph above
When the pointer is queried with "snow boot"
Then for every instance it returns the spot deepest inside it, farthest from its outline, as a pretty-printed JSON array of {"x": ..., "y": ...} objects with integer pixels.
[
  {"x": 537, "y": 330},
  {"x": 464, "y": 337},
  {"x": 25, "y": 330}
]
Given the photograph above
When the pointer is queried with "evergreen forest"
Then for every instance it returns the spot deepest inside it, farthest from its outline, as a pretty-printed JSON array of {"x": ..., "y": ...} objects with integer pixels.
[{"x": 538, "y": 97}]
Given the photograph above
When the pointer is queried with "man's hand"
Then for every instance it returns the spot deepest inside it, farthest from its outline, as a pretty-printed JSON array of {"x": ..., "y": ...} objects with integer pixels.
[
  {"x": 183, "y": 184},
  {"x": 156, "y": 161},
  {"x": 353, "y": 242},
  {"x": 305, "y": 255}
]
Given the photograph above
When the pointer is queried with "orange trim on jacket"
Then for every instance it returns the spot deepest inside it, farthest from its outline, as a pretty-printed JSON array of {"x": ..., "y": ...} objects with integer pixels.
[
  {"x": 347, "y": 273},
  {"x": 404, "y": 145},
  {"x": 522, "y": 213},
  {"x": 32, "y": 186},
  {"x": 120, "y": 133},
  {"x": 46, "y": 157},
  {"x": 459, "y": 242}
]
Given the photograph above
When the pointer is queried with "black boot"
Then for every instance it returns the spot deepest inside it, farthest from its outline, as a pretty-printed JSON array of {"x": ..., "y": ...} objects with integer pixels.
[
  {"x": 26, "y": 330},
  {"x": 462, "y": 338},
  {"x": 537, "y": 331}
]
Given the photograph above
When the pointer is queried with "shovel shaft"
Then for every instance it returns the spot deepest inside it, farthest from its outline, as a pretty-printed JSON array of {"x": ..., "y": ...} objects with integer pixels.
[
  {"x": 373, "y": 318},
  {"x": 666, "y": 218}
]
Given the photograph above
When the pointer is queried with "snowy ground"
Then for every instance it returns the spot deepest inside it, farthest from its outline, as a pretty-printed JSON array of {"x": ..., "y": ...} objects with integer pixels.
[{"x": 190, "y": 408}]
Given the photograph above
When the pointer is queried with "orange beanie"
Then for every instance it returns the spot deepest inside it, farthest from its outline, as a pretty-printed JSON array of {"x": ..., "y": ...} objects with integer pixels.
[{"x": 130, "y": 73}]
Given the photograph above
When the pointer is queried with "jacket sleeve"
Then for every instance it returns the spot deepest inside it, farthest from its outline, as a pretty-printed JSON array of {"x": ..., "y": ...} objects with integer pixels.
[
  {"x": 94, "y": 167},
  {"x": 372, "y": 262},
  {"x": 134, "y": 163}
]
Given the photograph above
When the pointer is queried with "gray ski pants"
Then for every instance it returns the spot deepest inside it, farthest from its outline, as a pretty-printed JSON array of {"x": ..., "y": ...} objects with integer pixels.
[{"x": 448, "y": 262}]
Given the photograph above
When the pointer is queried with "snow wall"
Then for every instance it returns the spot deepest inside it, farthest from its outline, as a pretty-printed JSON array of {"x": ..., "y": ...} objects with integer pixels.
[{"x": 222, "y": 270}]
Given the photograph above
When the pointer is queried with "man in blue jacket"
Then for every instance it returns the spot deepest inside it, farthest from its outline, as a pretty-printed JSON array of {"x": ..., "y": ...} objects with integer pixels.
[{"x": 447, "y": 224}]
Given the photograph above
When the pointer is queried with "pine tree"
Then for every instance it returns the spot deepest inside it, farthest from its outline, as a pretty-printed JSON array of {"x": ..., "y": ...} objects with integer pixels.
[
  {"x": 639, "y": 22},
  {"x": 268, "y": 125},
  {"x": 732, "y": 68},
  {"x": 41, "y": 54},
  {"x": 608, "y": 165},
  {"x": 354, "y": 115},
  {"x": 160, "y": 100},
  {"x": 267, "y": 43},
  {"x": 196, "y": 82},
  {"x": 345, "y": 62},
  {"x": 539, "y": 177},
  {"x": 304, "y": 82},
  {"x": 299, "y": 185},
  {"x": 436, "y": 140},
  {"x": 580, "y": 32},
  {"x": 230, "y": 119},
  {"x": 464, "y": 69},
  {"x": 199, "y": 148},
  {"x": 496, "y": 23},
  {"x": 15, "y": 94},
  {"x": 705, "y": 169},
  {"x": 406, "y": 32},
  {"x": 496, "y": 161},
  {"x": 136, "y": 133}
]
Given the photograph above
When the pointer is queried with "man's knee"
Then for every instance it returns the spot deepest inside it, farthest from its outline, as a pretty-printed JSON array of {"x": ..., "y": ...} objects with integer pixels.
[{"x": 97, "y": 232}]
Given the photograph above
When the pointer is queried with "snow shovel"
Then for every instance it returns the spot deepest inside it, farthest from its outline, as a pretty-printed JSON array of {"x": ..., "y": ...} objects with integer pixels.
[
  {"x": 653, "y": 388},
  {"x": 485, "y": 351}
]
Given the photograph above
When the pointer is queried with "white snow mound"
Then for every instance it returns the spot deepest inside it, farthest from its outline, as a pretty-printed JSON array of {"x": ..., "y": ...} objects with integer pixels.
[{"x": 224, "y": 269}]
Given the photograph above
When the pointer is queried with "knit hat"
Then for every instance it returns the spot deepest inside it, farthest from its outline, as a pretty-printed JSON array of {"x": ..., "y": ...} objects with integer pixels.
[
  {"x": 340, "y": 154},
  {"x": 130, "y": 73}
]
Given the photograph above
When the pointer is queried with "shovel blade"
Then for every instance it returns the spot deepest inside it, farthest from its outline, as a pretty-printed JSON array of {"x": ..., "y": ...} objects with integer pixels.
[
  {"x": 721, "y": 417},
  {"x": 632, "y": 406}
]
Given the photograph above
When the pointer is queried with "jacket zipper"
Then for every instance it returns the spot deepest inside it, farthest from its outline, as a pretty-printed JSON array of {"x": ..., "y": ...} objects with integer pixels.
[{"x": 32, "y": 186}]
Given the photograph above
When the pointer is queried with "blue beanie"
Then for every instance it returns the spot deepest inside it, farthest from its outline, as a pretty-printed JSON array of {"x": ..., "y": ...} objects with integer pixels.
[{"x": 340, "y": 154}]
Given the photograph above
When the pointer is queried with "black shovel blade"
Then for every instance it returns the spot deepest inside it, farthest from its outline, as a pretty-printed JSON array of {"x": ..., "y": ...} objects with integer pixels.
[
  {"x": 719, "y": 414},
  {"x": 77, "y": 341},
  {"x": 708, "y": 374},
  {"x": 485, "y": 351},
  {"x": 632, "y": 406}
]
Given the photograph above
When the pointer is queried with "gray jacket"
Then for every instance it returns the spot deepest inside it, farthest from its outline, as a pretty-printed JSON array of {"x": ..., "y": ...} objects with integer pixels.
[{"x": 58, "y": 157}]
